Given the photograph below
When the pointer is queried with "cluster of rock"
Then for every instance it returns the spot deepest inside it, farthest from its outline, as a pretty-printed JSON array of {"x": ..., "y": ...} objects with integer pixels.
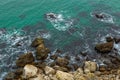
[
  {"x": 90, "y": 71},
  {"x": 30, "y": 69}
]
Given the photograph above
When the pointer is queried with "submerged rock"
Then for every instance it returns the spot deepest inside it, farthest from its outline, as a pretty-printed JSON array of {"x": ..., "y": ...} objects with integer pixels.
[
  {"x": 51, "y": 16},
  {"x": 104, "y": 47},
  {"x": 37, "y": 42},
  {"x": 117, "y": 40},
  {"x": 24, "y": 59},
  {"x": 11, "y": 76},
  {"x": 102, "y": 16}
]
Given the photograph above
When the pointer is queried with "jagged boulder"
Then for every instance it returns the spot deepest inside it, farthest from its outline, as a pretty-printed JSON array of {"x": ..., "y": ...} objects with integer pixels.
[
  {"x": 90, "y": 67},
  {"x": 24, "y": 59},
  {"x": 42, "y": 52},
  {"x": 62, "y": 61},
  {"x": 104, "y": 47},
  {"x": 37, "y": 42}
]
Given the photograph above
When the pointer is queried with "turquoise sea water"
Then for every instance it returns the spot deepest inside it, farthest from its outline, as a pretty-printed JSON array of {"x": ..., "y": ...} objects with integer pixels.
[{"x": 21, "y": 21}]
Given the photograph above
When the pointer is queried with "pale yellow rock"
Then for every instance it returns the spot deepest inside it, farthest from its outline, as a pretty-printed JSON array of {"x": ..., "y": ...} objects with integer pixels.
[
  {"x": 64, "y": 76},
  {"x": 97, "y": 73},
  {"x": 80, "y": 78},
  {"x": 47, "y": 78},
  {"x": 38, "y": 77},
  {"x": 91, "y": 66},
  {"x": 53, "y": 77},
  {"x": 30, "y": 71},
  {"x": 87, "y": 71},
  {"x": 49, "y": 70},
  {"x": 91, "y": 76},
  {"x": 78, "y": 73}
]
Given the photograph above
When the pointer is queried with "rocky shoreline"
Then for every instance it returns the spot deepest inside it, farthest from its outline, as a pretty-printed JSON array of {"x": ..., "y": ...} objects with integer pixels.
[{"x": 32, "y": 66}]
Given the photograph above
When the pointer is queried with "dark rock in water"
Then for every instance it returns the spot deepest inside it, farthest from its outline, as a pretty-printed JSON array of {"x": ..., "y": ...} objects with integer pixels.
[
  {"x": 37, "y": 42},
  {"x": 12, "y": 76},
  {"x": 53, "y": 57},
  {"x": 42, "y": 52},
  {"x": 75, "y": 66},
  {"x": 51, "y": 16},
  {"x": 102, "y": 68},
  {"x": 109, "y": 39},
  {"x": 19, "y": 71},
  {"x": 62, "y": 61},
  {"x": 52, "y": 64},
  {"x": 83, "y": 53},
  {"x": 117, "y": 40},
  {"x": 77, "y": 58},
  {"x": 99, "y": 16},
  {"x": 24, "y": 59},
  {"x": 104, "y": 47}
]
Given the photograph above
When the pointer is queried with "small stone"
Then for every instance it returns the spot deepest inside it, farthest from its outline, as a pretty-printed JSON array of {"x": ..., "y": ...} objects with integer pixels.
[
  {"x": 38, "y": 77},
  {"x": 11, "y": 76},
  {"x": 62, "y": 61},
  {"x": 78, "y": 73},
  {"x": 109, "y": 39},
  {"x": 91, "y": 76},
  {"x": 64, "y": 69},
  {"x": 117, "y": 40},
  {"x": 19, "y": 71},
  {"x": 102, "y": 68},
  {"x": 40, "y": 65},
  {"x": 30, "y": 71},
  {"x": 49, "y": 70},
  {"x": 81, "y": 78},
  {"x": 53, "y": 57},
  {"x": 64, "y": 76},
  {"x": 75, "y": 66},
  {"x": 97, "y": 73},
  {"x": 90, "y": 66}
]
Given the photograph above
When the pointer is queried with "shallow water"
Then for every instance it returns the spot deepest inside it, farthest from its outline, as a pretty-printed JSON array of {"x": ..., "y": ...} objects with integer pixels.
[{"x": 21, "y": 21}]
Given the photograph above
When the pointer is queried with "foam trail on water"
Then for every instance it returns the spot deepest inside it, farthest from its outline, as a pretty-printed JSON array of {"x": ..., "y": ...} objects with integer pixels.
[
  {"x": 59, "y": 22},
  {"x": 103, "y": 17}
]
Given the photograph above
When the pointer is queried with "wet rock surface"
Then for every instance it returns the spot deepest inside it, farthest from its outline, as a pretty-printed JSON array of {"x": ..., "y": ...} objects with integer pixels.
[
  {"x": 24, "y": 59},
  {"x": 36, "y": 68},
  {"x": 42, "y": 52},
  {"x": 104, "y": 47},
  {"x": 37, "y": 41}
]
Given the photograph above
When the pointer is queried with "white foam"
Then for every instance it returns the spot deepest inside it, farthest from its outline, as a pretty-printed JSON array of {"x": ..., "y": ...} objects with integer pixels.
[
  {"x": 60, "y": 23},
  {"x": 107, "y": 17}
]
